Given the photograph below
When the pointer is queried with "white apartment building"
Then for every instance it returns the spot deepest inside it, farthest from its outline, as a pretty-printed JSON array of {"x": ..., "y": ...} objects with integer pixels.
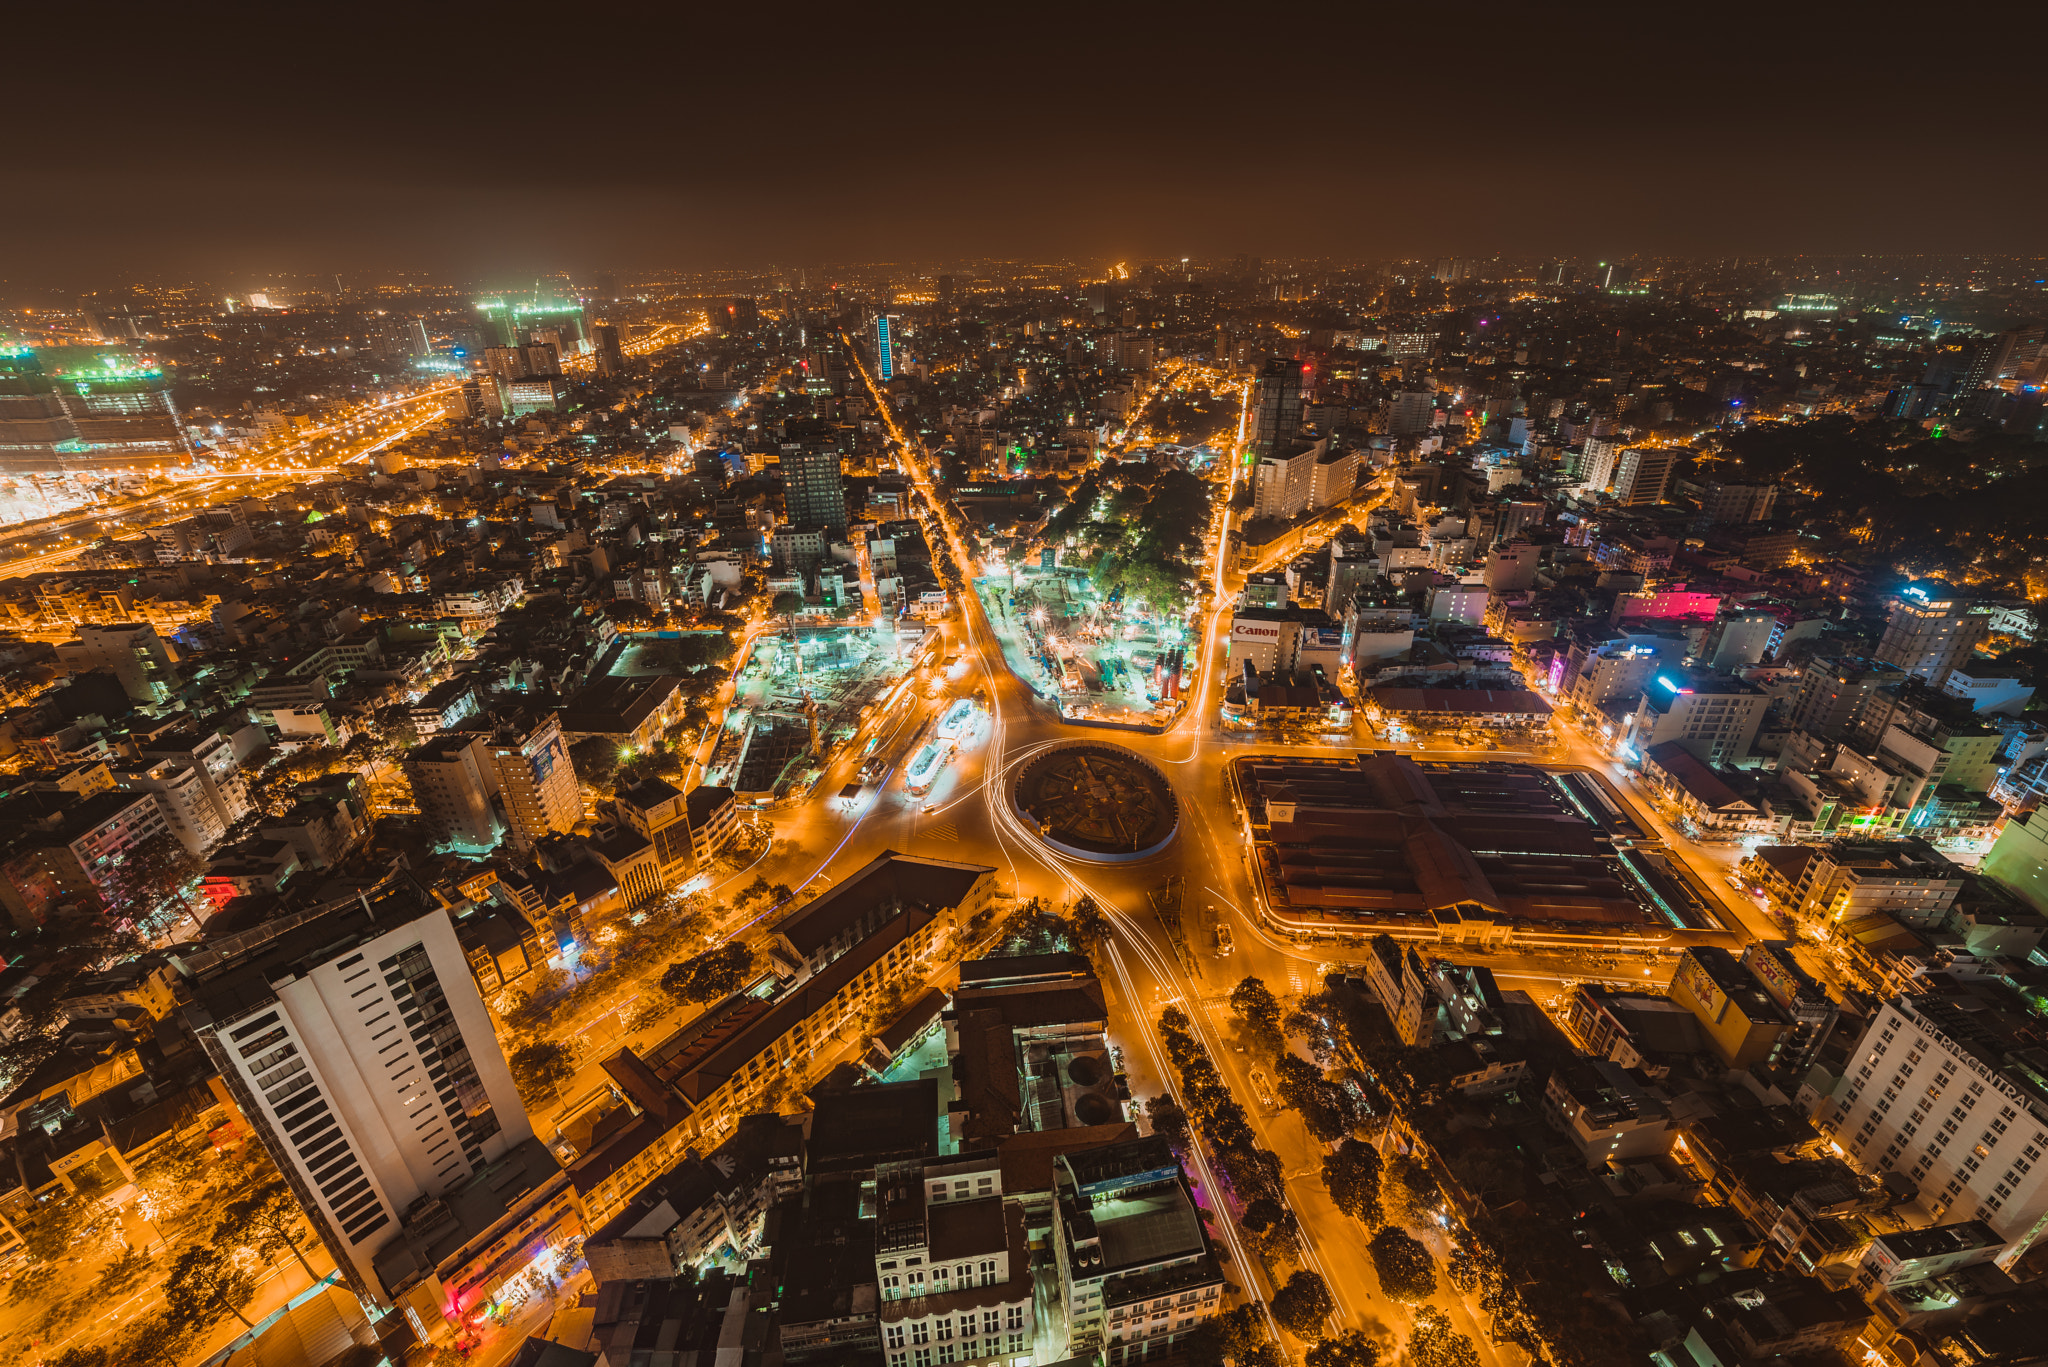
[
  {"x": 1284, "y": 482},
  {"x": 952, "y": 1265},
  {"x": 1933, "y": 1094},
  {"x": 131, "y": 651},
  {"x": 1713, "y": 718},
  {"x": 353, "y": 1039},
  {"x": 1333, "y": 476},
  {"x": 181, "y": 790},
  {"x": 1134, "y": 1261}
]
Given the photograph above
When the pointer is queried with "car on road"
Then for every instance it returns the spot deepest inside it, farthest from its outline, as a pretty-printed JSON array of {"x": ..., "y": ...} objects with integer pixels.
[
  {"x": 1225, "y": 946},
  {"x": 1263, "y": 1085}
]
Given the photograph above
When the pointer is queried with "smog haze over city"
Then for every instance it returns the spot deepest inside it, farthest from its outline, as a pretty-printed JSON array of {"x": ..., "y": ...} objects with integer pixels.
[{"x": 1069, "y": 687}]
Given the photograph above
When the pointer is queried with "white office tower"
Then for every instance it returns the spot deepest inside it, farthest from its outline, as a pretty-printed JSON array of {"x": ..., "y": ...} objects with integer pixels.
[
  {"x": 1596, "y": 465},
  {"x": 354, "y": 1041},
  {"x": 1944, "y": 1089}
]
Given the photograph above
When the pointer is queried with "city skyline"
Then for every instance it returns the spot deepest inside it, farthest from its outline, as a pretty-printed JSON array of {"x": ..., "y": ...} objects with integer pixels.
[{"x": 917, "y": 688}]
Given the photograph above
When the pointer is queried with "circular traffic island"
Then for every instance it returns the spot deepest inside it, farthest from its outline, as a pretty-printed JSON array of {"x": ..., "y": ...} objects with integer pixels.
[{"x": 1096, "y": 801}]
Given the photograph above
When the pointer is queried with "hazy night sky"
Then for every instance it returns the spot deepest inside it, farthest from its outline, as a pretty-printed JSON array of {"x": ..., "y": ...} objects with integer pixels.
[{"x": 490, "y": 139}]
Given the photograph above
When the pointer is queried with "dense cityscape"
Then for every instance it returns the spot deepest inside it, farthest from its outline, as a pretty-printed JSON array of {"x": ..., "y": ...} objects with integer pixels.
[
  {"x": 1079, "y": 687},
  {"x": 1200, "y": 810}
]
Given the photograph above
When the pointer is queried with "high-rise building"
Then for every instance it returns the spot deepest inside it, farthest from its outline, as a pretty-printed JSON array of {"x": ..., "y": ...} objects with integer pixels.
[
  {"x": 417, "y": 344},
  {"x": 536, "y": 782},
  {"x": 1411, "y": 412},
  {"x": 1736, "y": 502},
  {"x": 884, "y": 328},
  {"x": 1712, "y": 718},
  {"x": 353, "y": 1041},
  {"x": 1276, "y": 408},
  {"x": 1641, "y": 474},
  {"x": 945, "y": 289},
  {"x": 611, "y": 358},
  {"x": 1834, "y": 690},
  {"x": 813, "y": 493},
  {"x": 86, "y": 408},
  {"x": 1939, "y": 1089},
  {"x": 2019, "y": 859},
  {"x": 1334, "y": 476},
  {"x": 453, "y": 780},
  {"x": 507, "y": 363},
  {"x": 131, "y": 651},
  {"x": 1596, "y": 464},
  {"x": 1930, "y": 631},
  {"x": 1284, "y": 481}
]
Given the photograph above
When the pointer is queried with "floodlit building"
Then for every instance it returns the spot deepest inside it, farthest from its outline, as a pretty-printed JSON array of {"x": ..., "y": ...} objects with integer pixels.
[
  {"x": 1940, "y": 1090},
  {"x": 1930, "y": 631},
  {"x": 354, "y": 1042}
]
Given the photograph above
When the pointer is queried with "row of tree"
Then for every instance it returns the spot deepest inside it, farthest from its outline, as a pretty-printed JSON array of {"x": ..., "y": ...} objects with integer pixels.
[{"x": 209, "y": 1280}]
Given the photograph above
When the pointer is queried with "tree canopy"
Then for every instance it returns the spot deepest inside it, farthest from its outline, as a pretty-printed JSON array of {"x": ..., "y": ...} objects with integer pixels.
[
  {"x": 1348, "y": 1349},
  {"x": 710, "y": 976},
  {"x": 1434, "y": 1343},
  {"x": 1352, "y": 1177},
  {"x": 1303, "y": 1306},
  {"x": 1406, "y": 1271},
  {"x": 1260, "y": 1009},
  {"x": 539, "y": 1069}
]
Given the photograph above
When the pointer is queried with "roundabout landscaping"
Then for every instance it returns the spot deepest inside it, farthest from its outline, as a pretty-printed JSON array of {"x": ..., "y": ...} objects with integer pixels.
[{"x": 1097, "y": 801}]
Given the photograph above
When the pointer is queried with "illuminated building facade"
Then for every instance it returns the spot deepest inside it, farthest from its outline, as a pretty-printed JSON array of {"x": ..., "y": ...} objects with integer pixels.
[
  {"x": 70, "y": 408},
  {"x": 354, "y": 1041}
]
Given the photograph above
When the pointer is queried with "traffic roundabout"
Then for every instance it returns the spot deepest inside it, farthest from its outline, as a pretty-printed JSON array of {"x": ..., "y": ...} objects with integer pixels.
[{"x": 1096, "y": 801}]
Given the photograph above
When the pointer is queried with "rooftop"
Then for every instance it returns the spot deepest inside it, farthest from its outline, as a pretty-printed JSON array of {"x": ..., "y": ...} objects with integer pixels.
[{"x": 889, "y": 880}]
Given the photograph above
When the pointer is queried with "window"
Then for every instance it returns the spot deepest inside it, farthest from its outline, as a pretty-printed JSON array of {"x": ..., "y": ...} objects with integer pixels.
[
  {"x": 891, "y": 1288},
  {"x": 1016, "y": 1343},
  {"x": 1016, "y": 1317},
  {"x": 899, "y": 1359},
  {"x": 920, "y": 1332},
  {"x": 988, "y": 1271},
  {"x": 964, "y": 1274},
  {"x": 945, "y": 1352},
  {"x": 922, "y": 1356},
  {"x": 944, "y": 1329},
  {"x": 939, "y": 1275},
  {"x": 991, "y": 1321}
]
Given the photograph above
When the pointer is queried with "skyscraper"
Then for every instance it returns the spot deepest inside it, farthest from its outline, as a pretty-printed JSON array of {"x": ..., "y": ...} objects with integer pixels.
[
  {"x": 885, "y": 346},
  {"x": 536, "y": 782},
  {"x": 354, "y": 1042},
  {"x": 1641, "y": 473},
  {"x": 1930, "y": 631},
  {"x": 611, "y": 358},
  {"x": 813, "y": 495},
  {"x": 1276, "y": 411}
]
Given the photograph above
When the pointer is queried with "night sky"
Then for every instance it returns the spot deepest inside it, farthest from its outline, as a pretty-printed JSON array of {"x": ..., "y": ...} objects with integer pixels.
[{"x": 496, "y": 138}]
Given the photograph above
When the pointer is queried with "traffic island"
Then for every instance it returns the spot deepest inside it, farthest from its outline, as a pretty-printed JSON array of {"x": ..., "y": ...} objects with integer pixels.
[{"x": 1097, "y": 802}]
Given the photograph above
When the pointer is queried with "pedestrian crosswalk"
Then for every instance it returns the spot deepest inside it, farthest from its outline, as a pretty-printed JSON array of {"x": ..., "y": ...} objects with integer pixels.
[{"x": 945, "y": 830}]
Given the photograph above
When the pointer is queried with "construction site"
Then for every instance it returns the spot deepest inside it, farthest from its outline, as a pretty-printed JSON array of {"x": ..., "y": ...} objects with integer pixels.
[{"x": 801, "y": 694}]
